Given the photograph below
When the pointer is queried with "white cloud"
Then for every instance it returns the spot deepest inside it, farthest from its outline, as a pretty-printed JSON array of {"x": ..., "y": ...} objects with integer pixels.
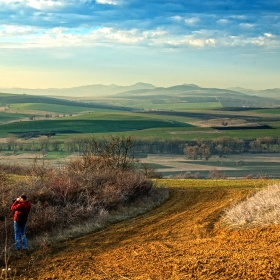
[
  {"x": 41, "y": 4},
  {"x": 239, "y": 17},
  {"x": 177, "y": 18},
  {"x": 45, "y": 4},
  {"x": 109, "y": 2},
  {"x": 192, "y": 20},
  {"x": 200, "y": 42},
  {"x": 223, "y": 21},
  {"x": 8, "y": 1},
  {"x": 269, "y": 35},
  {"x": 121, "y": 36},
  {"x": 13, "y": 31},
  {"x": 12, "y": 36},
  {"x": 247, "y": 25}
]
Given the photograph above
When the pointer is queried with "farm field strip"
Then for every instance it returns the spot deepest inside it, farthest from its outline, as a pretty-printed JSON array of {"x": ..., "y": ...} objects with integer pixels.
[{"x": 184, "y": 125}]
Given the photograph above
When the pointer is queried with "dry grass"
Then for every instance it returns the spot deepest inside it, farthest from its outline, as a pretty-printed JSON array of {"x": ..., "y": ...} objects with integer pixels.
[{"x": 261, "y": 209}]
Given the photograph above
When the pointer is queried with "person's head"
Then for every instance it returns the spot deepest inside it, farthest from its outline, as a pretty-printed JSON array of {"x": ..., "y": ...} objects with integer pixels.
[{"x": 23, "y": 197}]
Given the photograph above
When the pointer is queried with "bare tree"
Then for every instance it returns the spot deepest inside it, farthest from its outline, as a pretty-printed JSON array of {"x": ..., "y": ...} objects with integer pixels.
[
  {"x": 117, "y": 151},
  {"x": 55, "y": 145},
  {"x": 191, "y": 151},
  {"x": 12, "y": 143},
  {"x": 202, "y": 150},
  {"x": 44, "y": 143}
]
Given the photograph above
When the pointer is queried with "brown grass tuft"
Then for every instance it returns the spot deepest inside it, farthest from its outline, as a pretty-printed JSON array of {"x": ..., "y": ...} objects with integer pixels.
[{"x": 261, "y": 209}]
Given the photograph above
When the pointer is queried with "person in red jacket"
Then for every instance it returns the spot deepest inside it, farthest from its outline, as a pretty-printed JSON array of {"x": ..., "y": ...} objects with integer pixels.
[{"x": 21, "y": 208}]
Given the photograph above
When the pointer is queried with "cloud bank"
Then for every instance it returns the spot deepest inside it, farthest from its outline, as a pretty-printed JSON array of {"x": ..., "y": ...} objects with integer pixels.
[{"x": 159, "y": 24}]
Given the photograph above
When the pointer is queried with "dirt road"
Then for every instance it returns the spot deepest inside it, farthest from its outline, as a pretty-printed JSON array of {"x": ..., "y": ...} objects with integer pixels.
[{"x": 181, "y": 239}]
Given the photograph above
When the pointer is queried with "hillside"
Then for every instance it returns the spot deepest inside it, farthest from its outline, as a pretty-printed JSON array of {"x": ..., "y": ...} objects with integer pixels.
[
  {"x": 272, "y": 93},
  {"x": 187, "y": 93},
  {"x": 181, "y": 239},
  {"x": 88, "y": 90},
  {"x": 193, "y": 94},
  {"x": 8, "y": 99}
]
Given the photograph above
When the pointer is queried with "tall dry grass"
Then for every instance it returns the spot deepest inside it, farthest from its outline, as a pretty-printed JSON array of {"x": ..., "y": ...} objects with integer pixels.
[{"x": 261, "y": 209}]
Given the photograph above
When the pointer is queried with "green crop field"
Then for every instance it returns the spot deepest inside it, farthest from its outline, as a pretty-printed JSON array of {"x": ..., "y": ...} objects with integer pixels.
[
  {"x": 141, "y": 125},
  {"x": 267, "y": 111},
  {"x": 167, "y": 105},
  {"x": 165, "y": 117},
  {"x": 7, "y": 117},
  {"x": 79, "y": 125},
  {"x": 42, "y": 108}
]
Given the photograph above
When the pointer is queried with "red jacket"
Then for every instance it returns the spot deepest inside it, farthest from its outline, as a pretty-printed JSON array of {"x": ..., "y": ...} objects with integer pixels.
[{"x": 21, "y": 208}]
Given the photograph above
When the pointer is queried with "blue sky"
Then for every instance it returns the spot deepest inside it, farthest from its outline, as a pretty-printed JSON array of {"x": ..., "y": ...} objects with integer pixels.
[{"x": 65, "y": 43}]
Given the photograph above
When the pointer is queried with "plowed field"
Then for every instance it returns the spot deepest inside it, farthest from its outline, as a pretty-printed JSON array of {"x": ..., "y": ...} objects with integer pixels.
[{"x": 181, "y": 239}]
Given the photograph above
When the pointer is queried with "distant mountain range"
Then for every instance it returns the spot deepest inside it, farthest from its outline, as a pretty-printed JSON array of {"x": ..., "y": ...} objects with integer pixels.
[
  {"x": 236, "y": 96},
  {"x": 230, "y": 97},
  {"x": 81, "y": 91},
  {"x": 273, "y": 93},
  {"x": 101, "y": 90}
]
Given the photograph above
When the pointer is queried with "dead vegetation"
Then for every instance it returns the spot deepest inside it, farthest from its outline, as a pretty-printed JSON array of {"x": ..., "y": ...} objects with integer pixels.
[
  {"x": 86, "y": 189},
  {"x": 259, "y": 210}
]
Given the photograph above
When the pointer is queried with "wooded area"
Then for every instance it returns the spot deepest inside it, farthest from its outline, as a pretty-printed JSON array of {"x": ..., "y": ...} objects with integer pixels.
[{"x": 195, "y": 149}]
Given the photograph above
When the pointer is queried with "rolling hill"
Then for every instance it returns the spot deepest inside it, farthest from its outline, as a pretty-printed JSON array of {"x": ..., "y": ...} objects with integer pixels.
[
  {"x": 192, "y": 94},
  {"x": 188, "y": 93},
  {"x": 272, "y": 93},
  {"x": 81, "y": 91}
]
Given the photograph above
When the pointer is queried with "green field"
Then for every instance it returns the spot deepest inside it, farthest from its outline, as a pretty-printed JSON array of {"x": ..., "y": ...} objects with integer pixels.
[
  {"x": 166, "y": 105},
  {"x": 7, "y": 117},
  {"x": 163, "y": 119},
  {"x": 145, "y": 125},
  {"x": 41, "y": 108},
  {"x": 164, "y": 114},
  {"x": 91, "y": 123}
]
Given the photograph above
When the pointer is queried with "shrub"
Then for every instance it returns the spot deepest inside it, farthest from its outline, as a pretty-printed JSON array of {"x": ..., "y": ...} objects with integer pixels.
[
  {"x": 215, "y": 174},
  {"x": 187, "y": 175},
  {"x": 76, "y": 193}
]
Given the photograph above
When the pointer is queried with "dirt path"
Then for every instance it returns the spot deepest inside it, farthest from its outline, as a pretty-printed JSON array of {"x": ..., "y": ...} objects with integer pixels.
[{"x": 180, "y": 239}]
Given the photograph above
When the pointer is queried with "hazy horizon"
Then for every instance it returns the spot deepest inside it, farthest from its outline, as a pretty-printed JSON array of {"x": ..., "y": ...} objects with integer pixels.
[
  {"x": 71, "y": 43},
  {"x": 128, "y": 85}
]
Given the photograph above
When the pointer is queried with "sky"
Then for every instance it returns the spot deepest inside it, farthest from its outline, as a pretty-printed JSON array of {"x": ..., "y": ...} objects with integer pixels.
[{"x": 67, "y": 43}]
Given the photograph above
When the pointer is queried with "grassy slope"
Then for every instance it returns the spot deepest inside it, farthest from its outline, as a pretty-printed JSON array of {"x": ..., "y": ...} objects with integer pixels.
[
  {"x": 142, "y": 126},
  {"x": 102, "y": 121},
  {"x": 7, "y": 117},
  {"x": 41, "y": 107},
  {"x": 91, "y": 123}
]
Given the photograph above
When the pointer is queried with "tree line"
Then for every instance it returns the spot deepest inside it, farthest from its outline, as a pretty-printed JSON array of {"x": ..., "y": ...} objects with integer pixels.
[{"x": 194, "y": 149}]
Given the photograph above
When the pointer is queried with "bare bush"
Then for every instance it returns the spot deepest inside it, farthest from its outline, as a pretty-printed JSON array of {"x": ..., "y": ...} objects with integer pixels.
[
  {"x": 87, "y": 188},
  {"x": 149, "y": 171},
  {"x": 215, "y": 174},
  {"x": 261, "y": 209},
  {"x": 9, "y": 168},
  {"x": 76, "y": 198}
]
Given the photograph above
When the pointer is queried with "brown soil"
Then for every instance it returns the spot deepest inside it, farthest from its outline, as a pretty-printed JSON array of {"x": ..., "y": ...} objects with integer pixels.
[{"x": 181, "y": 239}]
